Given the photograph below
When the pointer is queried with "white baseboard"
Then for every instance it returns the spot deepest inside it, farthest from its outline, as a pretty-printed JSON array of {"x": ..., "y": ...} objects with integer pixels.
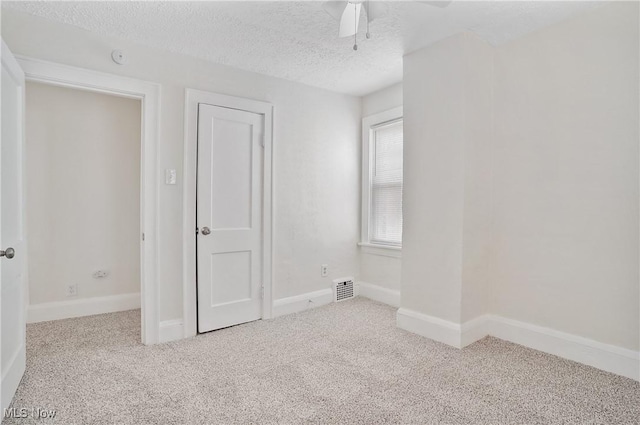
[
  {"x": 475, "y": 329},
  {"x": 444, "y": 331},
  {"x": 430, "y": 327},
  {"x": 81, "y": 307},
  {"x": 610, "y": 358},
  {"x": 171, "y": 330},
  {"x": 379, "y": 293},
  {"x": 302, "y": 302}
]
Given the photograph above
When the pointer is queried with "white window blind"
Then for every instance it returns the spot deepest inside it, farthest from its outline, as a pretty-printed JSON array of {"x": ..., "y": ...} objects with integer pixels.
[{"x": 385, "y": 221}]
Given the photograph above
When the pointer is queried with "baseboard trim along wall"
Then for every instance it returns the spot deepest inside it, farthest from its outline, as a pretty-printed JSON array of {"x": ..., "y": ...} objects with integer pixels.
[
  {"x": 302, "y": 302},
  {"x": 378, "y": 293},
  {"x": 430, "y": 327},
  {"x": 475, "y": 329},
  {"x": 81, "y": 307},
  {"x": 171, "y": 330},
  {"x": 610, "y": 358}
]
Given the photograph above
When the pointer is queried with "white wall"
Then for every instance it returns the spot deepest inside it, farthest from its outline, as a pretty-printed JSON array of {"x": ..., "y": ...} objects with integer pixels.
[
  {"x": 521, "y": 178},
  {"x": 478, "y": 165},
  {"x": 378, "y": 269},
  {"x": 316, "y": 152},
  {"x": 447, "y": 133},
  {"x": 381, "y": 270},
  {"x": 566, "y": 177},
  {"x": 382, "y": 100},
  {"x": 83, "y": 191}
]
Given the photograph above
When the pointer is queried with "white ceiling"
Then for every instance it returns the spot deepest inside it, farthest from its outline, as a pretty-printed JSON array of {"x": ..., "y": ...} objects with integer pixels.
[{"x": 298, "y": 40}]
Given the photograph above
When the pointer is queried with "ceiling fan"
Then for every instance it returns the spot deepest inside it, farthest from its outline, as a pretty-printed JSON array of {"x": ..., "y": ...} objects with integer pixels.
[{"x": 348, "y": 13}]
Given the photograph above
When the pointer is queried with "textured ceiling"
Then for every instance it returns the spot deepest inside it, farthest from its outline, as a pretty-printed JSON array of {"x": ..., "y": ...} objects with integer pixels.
[{"x": 297, "y": 40}]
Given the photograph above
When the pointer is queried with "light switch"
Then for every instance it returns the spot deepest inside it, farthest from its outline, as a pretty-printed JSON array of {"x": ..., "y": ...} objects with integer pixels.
[{"x": 170, "y": 176}]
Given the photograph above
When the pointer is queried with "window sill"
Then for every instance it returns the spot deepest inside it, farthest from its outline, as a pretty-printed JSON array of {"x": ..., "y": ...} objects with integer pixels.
[{"x": 383, "y": 250}]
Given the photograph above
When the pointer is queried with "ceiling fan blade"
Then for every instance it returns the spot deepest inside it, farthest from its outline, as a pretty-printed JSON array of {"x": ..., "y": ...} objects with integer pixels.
[
  {"x": 375, "y": 9},
  {"x": 334, "y": 8},
  {"x": 350, "y": 20},
  {"x": 436, "y": 3}
]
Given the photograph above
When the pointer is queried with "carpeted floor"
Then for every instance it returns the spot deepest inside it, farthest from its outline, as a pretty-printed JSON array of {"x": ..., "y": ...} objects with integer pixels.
[{"x": 346, "y": 363}]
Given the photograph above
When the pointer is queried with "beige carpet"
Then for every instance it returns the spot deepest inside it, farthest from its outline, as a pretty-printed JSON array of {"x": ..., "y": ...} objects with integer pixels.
[{"x": 346, "y": 363}]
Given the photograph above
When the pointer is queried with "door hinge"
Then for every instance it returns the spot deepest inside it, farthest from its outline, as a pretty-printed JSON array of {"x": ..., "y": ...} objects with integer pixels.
[
  {"x": 197, "y": 231},
  {"x": 262, "y": 292},
  {"x": 142, "y": 236}
]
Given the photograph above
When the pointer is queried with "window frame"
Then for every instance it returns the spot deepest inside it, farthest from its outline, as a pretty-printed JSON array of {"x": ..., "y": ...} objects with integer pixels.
[{"x": 369, "y": 125}]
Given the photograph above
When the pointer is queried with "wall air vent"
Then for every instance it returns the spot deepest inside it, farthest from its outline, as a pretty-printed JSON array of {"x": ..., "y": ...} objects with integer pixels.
[{"x": 343, "y": 289}]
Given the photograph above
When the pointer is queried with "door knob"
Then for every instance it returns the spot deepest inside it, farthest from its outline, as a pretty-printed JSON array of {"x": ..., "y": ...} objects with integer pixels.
[
  {"x": 206, "y": 231},
  {"x": 9, "y": 253}
]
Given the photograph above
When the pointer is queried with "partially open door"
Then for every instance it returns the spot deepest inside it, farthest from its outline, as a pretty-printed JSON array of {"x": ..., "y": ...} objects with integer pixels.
[{"x": 12, "y": 235}]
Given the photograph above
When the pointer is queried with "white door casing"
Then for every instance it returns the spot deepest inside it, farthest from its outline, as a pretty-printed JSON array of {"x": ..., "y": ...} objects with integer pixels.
[
  {"x": 12, "y": 229},
  {"x": 149, "y": 94},
  {"x": 229, "y": 216}
]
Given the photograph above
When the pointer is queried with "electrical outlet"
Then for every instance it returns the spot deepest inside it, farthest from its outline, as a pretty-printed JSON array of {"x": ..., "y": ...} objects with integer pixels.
[
  {"x": 324, "y": 270},
  {"x": 72, "y": 290},
  {"x": 100, "y": 274}
]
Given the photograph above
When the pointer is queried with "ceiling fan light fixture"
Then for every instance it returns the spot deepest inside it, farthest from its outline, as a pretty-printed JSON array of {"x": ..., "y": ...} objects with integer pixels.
[
  {"x": 348, "y": 14},
  {"x": 350, "y": 19}
]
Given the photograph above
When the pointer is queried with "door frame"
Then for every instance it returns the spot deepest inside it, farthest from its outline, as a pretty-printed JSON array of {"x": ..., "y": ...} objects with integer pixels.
[
  {"x": 149, "y": 95},
  {"x": 194, "y": 97}
]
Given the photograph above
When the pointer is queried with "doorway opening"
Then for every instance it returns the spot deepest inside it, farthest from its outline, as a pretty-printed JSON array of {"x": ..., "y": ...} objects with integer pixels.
[
  {"x": 83, "y": 169},
  {"x": 125, "y": 197}
]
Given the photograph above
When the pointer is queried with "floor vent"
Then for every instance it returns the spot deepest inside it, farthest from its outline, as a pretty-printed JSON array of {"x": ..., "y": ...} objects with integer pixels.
[{"x": 343, "y": 289}]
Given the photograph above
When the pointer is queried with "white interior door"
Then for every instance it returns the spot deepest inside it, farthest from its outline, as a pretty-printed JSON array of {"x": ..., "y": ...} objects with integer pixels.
[
  {"x": 12, "y": 238},
  {"x": 229, "y": 216}
]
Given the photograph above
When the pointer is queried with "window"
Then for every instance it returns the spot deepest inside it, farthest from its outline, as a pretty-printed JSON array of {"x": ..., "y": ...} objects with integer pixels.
[
  {"x": 382, "y": 180},
  {"x": 385, "y": 210}
]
